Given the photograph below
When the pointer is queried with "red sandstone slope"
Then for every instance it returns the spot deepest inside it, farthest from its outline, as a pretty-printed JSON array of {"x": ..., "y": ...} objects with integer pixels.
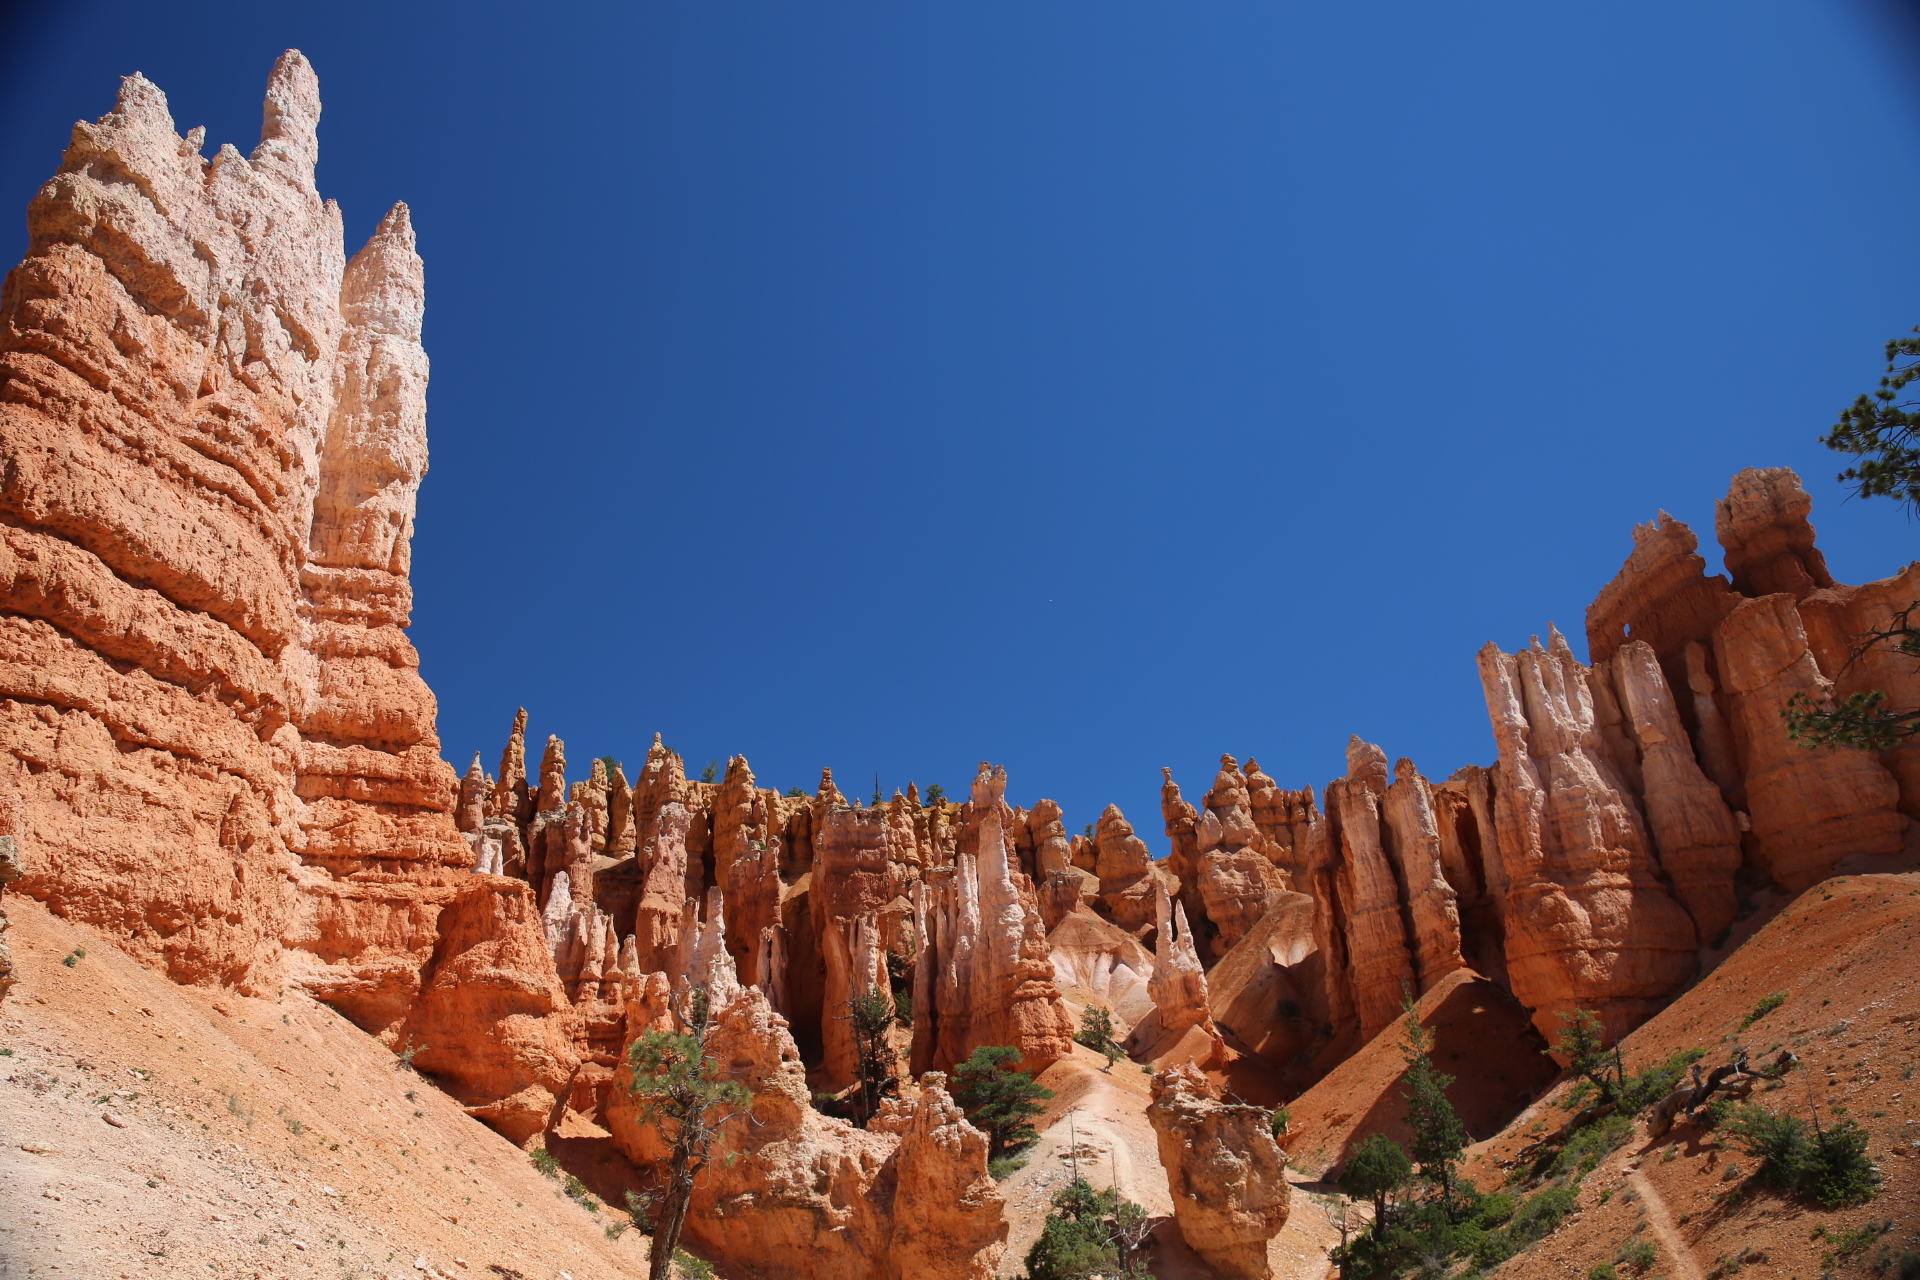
[
  {"x": 256, "y": 1137},
  {"x": 1847, "y": 955}
]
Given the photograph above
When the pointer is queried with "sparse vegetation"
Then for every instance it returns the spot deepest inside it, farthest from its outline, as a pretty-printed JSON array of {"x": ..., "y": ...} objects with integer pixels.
[
  {"x": 936, "y": 794},
  {"x": 1766, "y": 1006},
  {"x": 682, "y": 1091},
  {"x": 1848, "y": 1243},
  {"x": 74, "y": 957},
  {"x": 1279, "y": 1121},
  {"x": 1638, "y": 1256},
  {"x": 1879, "y": 431},
  {"x": 871, "y": 1015}
]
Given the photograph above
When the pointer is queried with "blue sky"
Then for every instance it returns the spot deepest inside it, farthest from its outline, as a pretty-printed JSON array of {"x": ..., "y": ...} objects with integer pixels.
[{"x": 1087, "y": 388}]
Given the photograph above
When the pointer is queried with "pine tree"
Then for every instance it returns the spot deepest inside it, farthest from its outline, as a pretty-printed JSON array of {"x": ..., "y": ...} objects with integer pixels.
[
  {"x": 678, "y": 1083},
  {"x": 872, "y": 1014},
  {"x": 1882, "y": 432},
  {"x": 1439, "y": 1139},
  {"x": 1096, "y": 1033},
  {"x": 997, "y": 1098},
  {"x": 1377, "y": 1168}
]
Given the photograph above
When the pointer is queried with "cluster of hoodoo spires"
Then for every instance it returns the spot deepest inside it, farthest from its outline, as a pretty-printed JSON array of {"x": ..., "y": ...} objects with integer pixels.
[{"x": 216, "y": 746}]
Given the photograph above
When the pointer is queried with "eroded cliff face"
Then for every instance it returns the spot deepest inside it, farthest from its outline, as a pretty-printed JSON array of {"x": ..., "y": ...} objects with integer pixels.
[
  {"x": 1604, "y": 852},
  {"x": 217, "y": 744}
]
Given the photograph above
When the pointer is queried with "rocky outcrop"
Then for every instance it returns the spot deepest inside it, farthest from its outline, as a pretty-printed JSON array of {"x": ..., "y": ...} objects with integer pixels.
[
  {"x": 1378, "y": 960},
  {"x": 1235, "y": 874},
  {"x": 807, "y": 1196},
  {"x": 1125, "y": 867},
  {"x": 1180, "y": 1027},
  {"x": 1103, "y": 961},
  {"x": 991, "y": 980},
  {"x": 1270, "y": 991},
  {"x": 1809, "y": 809},
  {"x": 1227, "y": 1175},
  {"x": 1588, "y": 922},
  {"x": 1413, "y": 842},
  {"x": 1692, "y": 828},
  {"x": 491, "y": 1023}
]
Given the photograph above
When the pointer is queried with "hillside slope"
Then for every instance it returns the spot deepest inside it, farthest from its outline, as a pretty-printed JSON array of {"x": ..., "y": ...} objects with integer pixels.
[
  {"x": 249, "y": 1137},
  {"x": 1846, "y": 954}
]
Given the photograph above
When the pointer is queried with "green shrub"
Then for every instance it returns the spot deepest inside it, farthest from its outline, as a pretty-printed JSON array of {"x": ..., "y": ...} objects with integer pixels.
[
  {"x": 1004, "y": 1167},
  {"x": 1827, "y": 1163},
  {"x": 1493, "y": 1210},
  {"x": 543, "y": 1161},
  {"x": 1090, "y": 1233},
  {"x": 1279, "y": 1121},
  {"x": 1766, "y": 1006},
  {"x": 1638, "y": 1255},
  {"x": 1538, "y": 1215},
  {"x": 999, "y": 1099},
  {"x": 1591, "y": 1143},
  {"x": 1602, "y": 1271}
]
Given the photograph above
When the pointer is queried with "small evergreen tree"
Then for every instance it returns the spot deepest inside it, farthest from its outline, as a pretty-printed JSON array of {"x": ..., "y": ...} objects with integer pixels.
[
  {"x": 1439, "y": 1139},
  {"x": 1096, "y": 1032},
  {"x": 935, "y": 794},
  {"x": 1377, "y": 1168},
  {"x": 871, "y": 1015},
  {"x": 677, "y": 1081},
  {"x": 1882, "y": 433},
  {"x": 999, "y": 1099},
  {"x": 1583, "y": 1043},
  {"x": 1090, "y": 1233}
]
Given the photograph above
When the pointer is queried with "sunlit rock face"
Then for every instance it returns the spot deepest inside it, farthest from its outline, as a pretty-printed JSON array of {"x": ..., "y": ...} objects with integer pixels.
[
  {"x": 1227, "y": 1175},
  {"x": 218, "y": 745}
]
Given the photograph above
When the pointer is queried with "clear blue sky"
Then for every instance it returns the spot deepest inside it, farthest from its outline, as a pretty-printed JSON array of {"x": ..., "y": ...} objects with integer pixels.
[{"x": 1085, "y": 387}]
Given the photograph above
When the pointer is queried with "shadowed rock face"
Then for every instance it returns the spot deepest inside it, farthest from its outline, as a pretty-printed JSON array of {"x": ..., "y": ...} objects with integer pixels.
[{"x": 1226, "y": 1173}]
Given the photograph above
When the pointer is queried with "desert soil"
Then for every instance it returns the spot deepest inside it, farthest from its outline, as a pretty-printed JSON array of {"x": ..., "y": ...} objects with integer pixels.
[{"x": 149, "y": 1130}]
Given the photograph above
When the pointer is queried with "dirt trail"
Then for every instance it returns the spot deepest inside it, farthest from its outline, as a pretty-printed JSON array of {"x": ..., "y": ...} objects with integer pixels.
[
  {"x": 1107, "y": 1113},
  {"x": 1660, "y": 1222}
]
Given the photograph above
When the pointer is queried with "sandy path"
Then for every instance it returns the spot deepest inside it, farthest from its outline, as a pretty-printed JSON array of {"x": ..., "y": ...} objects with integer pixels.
[
  {"x": 1660, "y": 1222},
  {"x": 1099, "y": 1119}
]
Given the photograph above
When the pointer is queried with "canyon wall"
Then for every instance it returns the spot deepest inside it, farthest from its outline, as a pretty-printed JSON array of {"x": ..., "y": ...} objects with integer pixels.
[
  {"x": 214, "y": 738},
  {"x": 215, "y": 744}
]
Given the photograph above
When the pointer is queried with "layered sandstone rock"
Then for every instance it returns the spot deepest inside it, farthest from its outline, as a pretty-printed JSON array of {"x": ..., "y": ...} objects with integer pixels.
[
  {"x": 1180, "y": 1027},
  {"x": 490, "y": 1023},
  {"x": 214, "y": 425},
  {"x": 1236, "y": 876},
  {"x": 1407, "y": 819},
  {"x": 1270, "y": 991},
  {"x": 1809, "y": 808},
  {"x": 1227, "y": 1175},
  {"x": 1378, "y": 960},
  {"x": 991, "y": 979},
  {"x": 1692, "y": 827},
  {"x": 1588, "y": 922},
  {"x": 1105, "y": 962},
  {"x": 806, "y": 1196},
  {"x": 1125, "y": 867}
]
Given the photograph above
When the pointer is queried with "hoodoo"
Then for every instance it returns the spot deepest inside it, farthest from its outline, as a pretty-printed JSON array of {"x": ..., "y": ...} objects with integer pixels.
[{"x": 217, "y": 753}]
